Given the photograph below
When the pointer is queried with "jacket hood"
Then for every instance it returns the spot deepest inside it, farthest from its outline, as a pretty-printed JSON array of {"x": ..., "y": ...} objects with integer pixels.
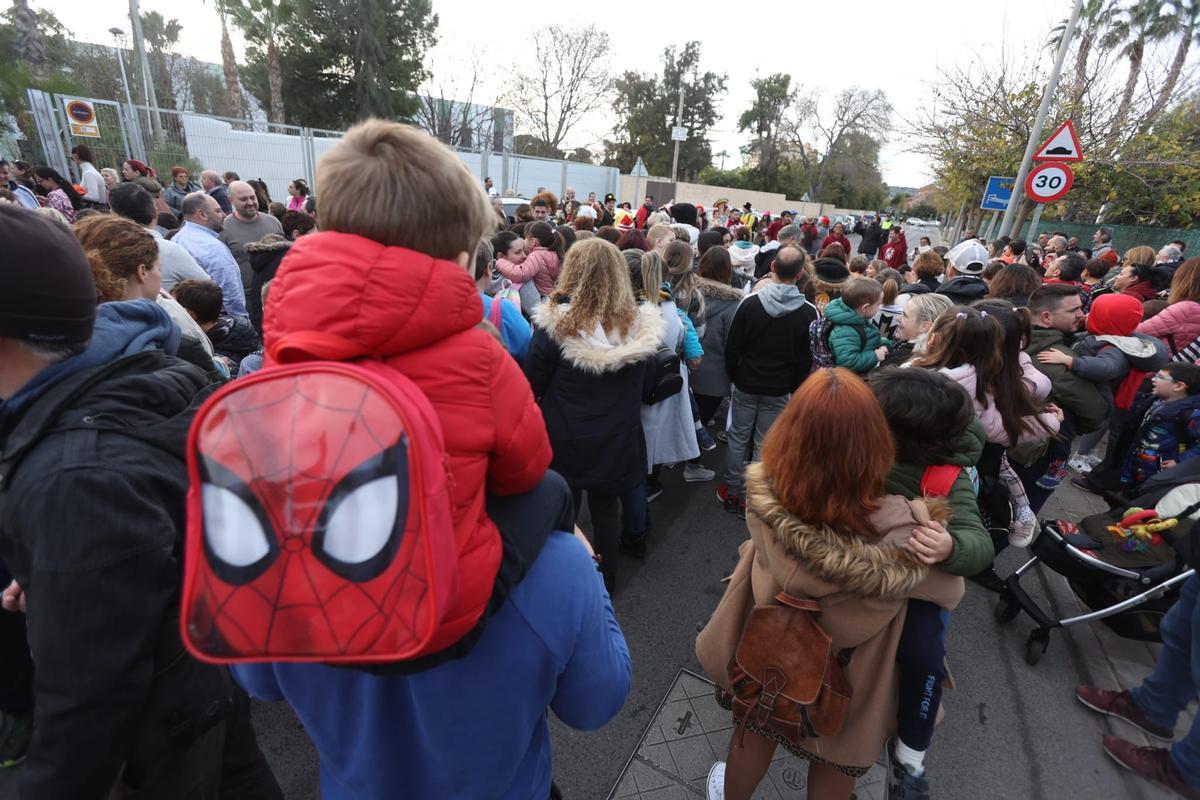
[
  {"x": 781, "y": 299},
  {"x": 388, "y": 300},
  {"x": 1145, "y": 353},
  {"x": 600, "y": 351},
  {"x": 1114, "y": 314},
  {"x": 742, "y": 253},
  {"x": 851, "y": 563},
  {"x": 967, "y": 287},
  {"x": 841, "y": 314},
  {"x": 270, "y": 243},
  {"x": 712, "y": 290},
  {"x": 122, "y": 328}
]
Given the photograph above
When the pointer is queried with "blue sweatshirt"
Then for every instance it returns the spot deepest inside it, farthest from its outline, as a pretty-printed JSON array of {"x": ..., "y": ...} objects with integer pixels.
[
  {"x": 476, "y": 727},
  {"x": 514, "y": 328}
]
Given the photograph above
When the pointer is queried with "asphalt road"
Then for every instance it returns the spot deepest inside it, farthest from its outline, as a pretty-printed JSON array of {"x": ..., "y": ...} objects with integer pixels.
[{"x": 1010, "y": 731}]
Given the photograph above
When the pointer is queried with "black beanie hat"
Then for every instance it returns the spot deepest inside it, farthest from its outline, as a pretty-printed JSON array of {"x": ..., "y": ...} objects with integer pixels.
[
  {"x": 831, "y": 271},
  {"x": 684, "y": 214},
  {"x": 49, "y": 295}
]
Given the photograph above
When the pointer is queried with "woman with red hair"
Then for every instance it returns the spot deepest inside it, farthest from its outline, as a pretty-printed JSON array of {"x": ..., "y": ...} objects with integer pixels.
[{"x": 828, "y": 533}]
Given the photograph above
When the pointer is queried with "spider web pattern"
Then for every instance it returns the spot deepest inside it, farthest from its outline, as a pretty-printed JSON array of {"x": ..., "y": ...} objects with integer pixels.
[{"x": 292, "y": 440}]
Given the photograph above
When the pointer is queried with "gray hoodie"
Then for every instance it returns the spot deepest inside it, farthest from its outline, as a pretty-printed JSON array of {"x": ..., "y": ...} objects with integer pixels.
[{"x": 780, "y": 299}]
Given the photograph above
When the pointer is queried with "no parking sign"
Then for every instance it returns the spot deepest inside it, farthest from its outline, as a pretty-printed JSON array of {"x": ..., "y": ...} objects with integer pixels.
[{"x": 82, "y": 118}]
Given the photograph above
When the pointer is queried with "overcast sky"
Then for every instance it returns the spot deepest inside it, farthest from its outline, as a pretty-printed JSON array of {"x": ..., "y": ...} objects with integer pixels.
[{"x": 897, "y": 47}]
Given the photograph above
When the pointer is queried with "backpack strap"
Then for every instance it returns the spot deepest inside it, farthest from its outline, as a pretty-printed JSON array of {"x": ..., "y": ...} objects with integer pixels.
[
  {"x": 803, "y": 604},
  {"x": 938, "y": 479},
  {"x": 315, "y": 346},
  {"x": 496, "y": 313}
]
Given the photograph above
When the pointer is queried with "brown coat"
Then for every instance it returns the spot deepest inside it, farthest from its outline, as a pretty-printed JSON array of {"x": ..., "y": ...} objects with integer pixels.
[{"x": 863, "y": 588}]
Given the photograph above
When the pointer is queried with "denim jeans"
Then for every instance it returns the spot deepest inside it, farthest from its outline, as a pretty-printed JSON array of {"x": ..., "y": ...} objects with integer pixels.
[
  {"x": 753, "y": 415},
  {"x": 1172, "y": 684}
]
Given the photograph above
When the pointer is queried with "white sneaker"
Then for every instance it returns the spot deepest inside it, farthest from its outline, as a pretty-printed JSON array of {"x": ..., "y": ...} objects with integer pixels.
[
  {"x": 697, "y": 473},
  {"x": 1024, "y": 528},
  {"x": 1081, "y": 464},
  {"x": 716, "y": 781}
]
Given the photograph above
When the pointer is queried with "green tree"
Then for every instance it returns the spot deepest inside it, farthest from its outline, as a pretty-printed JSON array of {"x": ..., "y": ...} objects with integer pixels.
[
  {"x": 161, "y": 36},
  {"x": 1132, "y": 29},
  {"x": 774, "y": 95},
  {"x": 261, "y": 21},
  {"x": 341, "y": 62},
  {"x": 646, "y": 109}
]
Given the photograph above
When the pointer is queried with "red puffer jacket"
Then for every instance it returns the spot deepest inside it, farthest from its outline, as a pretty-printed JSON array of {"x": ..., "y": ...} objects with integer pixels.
[{"x": 420, "y": 315}]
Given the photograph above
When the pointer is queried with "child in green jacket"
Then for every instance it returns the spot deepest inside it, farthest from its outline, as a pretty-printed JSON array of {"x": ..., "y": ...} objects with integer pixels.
[
  {"x": 938, "y": 441},
  {"x": 854, "y": 340}
]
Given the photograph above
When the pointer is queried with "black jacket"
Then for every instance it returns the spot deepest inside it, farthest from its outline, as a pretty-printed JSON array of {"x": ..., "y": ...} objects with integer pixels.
[
  {"x": 92, "y": 515},
  {"x": 767, "y": 354},
  {"x": 922, "y": 286},
  {"x": 265, "y": 257},
  {"x": 234, "y": 338},
  {"x": 592, "y": 399},
  {"x": 872, "y": 237},
  {"x": 964, "y": 289}
]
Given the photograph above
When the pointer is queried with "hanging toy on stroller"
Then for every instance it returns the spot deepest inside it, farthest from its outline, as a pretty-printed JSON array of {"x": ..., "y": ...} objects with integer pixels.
[
  {"x": 1140, "y": 529},
  {"x": 1124, "y": 564}
]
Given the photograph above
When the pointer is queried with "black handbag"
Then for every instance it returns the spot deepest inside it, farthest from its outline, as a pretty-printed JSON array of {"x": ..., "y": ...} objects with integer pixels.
[{"x": 667, "y": 380}]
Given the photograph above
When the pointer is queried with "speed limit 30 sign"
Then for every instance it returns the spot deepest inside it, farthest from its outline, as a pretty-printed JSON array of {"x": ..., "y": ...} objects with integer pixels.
[{"x": 1049, "y": 182}]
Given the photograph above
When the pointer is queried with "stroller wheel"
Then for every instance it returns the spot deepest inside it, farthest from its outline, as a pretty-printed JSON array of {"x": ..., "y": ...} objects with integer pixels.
[
  {"x": 1035, "y": 646},
  {"x": 1006, "y": 609}
]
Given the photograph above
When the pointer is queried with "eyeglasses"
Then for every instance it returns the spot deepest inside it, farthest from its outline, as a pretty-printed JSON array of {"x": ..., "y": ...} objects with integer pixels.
[{"x": 1160, "y": 377}]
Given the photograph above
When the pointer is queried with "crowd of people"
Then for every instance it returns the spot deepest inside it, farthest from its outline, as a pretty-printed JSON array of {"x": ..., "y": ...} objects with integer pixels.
[{"x": 892, "y": 417}]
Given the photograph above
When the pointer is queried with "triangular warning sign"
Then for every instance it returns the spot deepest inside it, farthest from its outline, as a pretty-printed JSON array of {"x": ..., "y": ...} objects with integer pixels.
[{"x": 1063, "y": 145}]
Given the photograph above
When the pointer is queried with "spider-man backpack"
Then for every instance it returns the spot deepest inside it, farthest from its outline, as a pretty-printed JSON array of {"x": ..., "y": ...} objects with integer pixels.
[{"x": 319, "y": 520}]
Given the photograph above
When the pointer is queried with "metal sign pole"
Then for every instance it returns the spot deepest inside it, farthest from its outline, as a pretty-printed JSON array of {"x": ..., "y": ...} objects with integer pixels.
[
  {"x": 1035, "y": 221},
  {"x": 1035, "y": 134},
  {"x": 678, "y": 120}
]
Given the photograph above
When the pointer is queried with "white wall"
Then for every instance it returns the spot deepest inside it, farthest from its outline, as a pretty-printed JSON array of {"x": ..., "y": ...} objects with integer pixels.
[{"x": 278, "y": 158}]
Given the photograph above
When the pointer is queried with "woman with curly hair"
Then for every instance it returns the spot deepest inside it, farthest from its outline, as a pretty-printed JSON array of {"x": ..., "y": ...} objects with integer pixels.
[{"x": 589, "y": 366}]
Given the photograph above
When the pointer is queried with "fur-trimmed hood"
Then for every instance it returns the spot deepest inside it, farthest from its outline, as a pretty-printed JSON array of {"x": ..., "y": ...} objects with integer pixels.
[
  {"x": 713, "y": 290},
  {"x": 272, "y": 242},
  {"x": 878, "y": 570},
  {"x": 602, "y": 351}
]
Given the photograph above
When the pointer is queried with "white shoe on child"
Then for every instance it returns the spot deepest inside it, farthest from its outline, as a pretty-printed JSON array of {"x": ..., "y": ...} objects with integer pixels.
[
  {"x": 1023, "y": 528},
  {"x": 716, "y": 781}
]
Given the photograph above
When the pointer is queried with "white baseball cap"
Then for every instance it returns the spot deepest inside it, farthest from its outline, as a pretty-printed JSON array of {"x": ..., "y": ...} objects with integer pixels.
[{"x": 969, "y": 257}]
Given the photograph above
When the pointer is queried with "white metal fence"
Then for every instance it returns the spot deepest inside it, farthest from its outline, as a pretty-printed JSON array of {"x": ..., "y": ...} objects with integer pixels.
[{"x": 272, "y": 152}]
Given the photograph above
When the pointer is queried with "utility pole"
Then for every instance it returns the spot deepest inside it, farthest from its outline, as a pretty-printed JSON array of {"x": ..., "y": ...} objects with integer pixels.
[
  {"x": 678, "y": 120},
  {"x": 1035, "y": 135},
  {"x": 139, "y": 46}
]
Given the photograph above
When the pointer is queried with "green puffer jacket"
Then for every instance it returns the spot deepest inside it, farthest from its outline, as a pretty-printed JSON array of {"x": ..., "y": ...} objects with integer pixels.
[
  {"x": 973, "y": 549},
  {"x": 853, "y": 340},
  {"x": 1083, "y": 400}
]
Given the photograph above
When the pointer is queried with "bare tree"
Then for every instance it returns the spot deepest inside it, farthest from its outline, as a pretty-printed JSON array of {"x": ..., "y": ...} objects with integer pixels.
[
  {"x": 446, "y": 105},
  {"x": 854, "y": 110},
  {"x": 570, "y": 79}
]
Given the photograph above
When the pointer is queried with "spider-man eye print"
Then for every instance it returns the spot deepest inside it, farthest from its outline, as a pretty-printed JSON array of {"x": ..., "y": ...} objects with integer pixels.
[{"x": 305, "y": 498}]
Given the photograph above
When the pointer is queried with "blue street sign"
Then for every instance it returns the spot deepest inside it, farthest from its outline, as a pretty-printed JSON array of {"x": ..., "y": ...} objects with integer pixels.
[{"x": 997, "y": 194}]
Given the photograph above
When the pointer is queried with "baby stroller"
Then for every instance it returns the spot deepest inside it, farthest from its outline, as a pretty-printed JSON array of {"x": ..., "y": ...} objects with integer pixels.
[{"x": 1127, "y": 579}]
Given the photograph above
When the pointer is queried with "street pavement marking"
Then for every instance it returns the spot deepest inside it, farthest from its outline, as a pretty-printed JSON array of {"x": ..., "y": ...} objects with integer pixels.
[{"x": 689, "y": 732}]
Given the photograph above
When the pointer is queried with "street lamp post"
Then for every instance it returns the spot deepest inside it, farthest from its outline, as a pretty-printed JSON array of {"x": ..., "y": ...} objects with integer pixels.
[{"x": 118, "y": 34}]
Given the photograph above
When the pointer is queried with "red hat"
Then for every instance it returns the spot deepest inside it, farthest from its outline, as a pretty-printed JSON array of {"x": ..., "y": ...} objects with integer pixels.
[
  {"x": 1114, "y": 315},
  {"x": 699, "y": 209}
]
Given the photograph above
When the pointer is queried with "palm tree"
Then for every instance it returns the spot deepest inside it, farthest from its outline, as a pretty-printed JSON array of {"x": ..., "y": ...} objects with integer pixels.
[
  {"x": 260, "y": 20},
  {"x": 161, "y": 35},
  {"x": 1188, "y": 14},
  {"x": 233, "y": 87},
  {"x": 28, "y": 43},
  {"x": 1093, "y": 18},
  {"x": 1132, "y": 29}
]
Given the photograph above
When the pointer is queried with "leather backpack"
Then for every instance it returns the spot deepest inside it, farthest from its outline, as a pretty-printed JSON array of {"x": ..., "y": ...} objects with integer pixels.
[{"x": 785, "y": 677}]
